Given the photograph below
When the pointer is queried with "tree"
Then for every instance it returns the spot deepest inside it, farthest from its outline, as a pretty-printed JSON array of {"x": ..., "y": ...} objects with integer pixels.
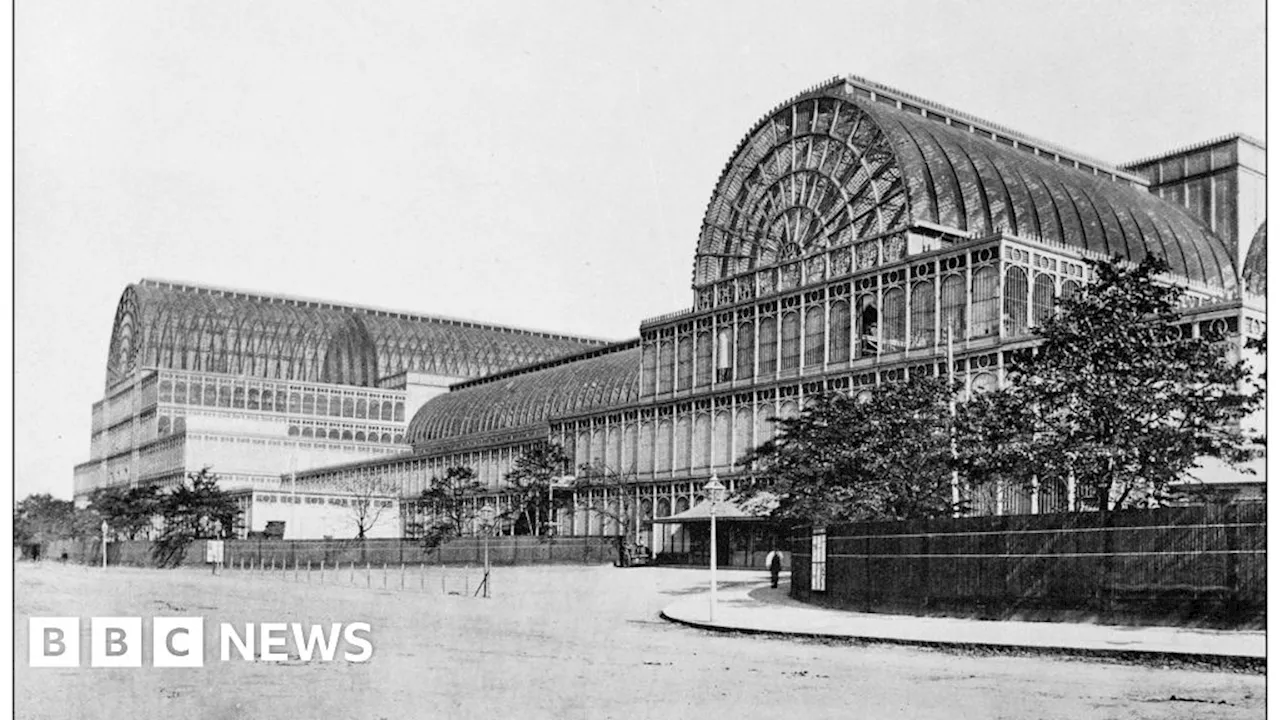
[
  {"x": 368, "y": 501},
  {"x": 843, "y": 459},
  {"x": 620, "y": 504},
  {"x": 193, "y": 510},
  {"x": 452, "y": 499},
  {"x": 42, "y": 518},
  {"x": 529, "y": 482},
  {"x": 1123, "y": 400},
  {"x": 994, "y": 442},
  {"x": 130, "y": 512}
]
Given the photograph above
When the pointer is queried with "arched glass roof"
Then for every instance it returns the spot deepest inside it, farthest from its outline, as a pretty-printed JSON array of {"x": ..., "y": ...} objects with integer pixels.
[
  {"x": 851, "y": 159},
  {"x": 170, "y": 325},
  {"x": 531, "y": 399}
]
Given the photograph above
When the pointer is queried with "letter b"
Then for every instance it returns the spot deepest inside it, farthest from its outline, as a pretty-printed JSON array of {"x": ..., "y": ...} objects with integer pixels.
[
  {"x": 54, "y": 642},
  {"x": 115, "y": 642}
]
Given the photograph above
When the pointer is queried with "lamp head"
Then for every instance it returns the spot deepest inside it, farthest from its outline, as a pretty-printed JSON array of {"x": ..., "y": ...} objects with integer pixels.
[{"x": 714, "y": 489}]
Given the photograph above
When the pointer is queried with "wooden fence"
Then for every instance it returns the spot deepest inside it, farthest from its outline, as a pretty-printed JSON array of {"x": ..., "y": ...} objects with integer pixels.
[
  {"x": 1169, "y": 564},
  {"x": 518, "y": 550}
]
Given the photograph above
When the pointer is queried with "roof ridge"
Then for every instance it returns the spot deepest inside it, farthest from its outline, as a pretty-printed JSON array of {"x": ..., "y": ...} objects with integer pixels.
[
  {"x": 1189, "y": 147},
  {"x": 546, "y": 364},
  {"x": 986, "y": 125},
  {"x": 368, "y": 309}
]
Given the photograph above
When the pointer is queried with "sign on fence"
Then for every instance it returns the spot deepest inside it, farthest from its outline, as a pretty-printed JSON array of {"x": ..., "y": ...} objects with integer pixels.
[{"x": 213, "y": 550}]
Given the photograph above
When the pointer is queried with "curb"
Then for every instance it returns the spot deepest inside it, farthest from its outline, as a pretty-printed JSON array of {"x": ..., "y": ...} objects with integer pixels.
[{"x": 1241, "y": 663}]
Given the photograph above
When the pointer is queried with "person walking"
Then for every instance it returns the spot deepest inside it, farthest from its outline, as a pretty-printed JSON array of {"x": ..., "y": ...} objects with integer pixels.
[{"x": 774, "y": 560}]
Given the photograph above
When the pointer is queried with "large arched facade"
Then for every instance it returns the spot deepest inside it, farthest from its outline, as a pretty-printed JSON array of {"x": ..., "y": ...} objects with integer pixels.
[{"x": 857, "y": 235}]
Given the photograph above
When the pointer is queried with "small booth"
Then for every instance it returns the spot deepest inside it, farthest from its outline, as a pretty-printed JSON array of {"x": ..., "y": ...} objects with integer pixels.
[{"x": 743, "y": 537}]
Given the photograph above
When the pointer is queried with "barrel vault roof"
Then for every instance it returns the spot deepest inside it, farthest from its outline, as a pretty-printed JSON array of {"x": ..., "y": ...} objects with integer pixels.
[
  {"x": 530, "y": 399},
  {"x": 178, "y": 326},
  {"x": 957, "y": 171}
]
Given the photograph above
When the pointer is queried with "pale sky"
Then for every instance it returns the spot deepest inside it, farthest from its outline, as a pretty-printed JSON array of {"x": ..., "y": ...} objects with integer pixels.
[{"x": 539, "y": 164}]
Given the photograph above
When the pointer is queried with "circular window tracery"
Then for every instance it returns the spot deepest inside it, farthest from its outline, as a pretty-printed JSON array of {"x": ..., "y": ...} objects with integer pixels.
[{"x": 816, "y": 174}]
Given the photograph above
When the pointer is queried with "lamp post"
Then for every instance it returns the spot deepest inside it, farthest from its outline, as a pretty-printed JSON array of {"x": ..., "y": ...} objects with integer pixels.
[
  {"x": 715, "y": 491},
  {"x": 486, "y": 519}
]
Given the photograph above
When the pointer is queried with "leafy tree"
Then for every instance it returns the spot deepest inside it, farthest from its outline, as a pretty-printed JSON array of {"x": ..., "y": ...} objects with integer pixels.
[
  {"x": 843, "y": 459},
  {"x": 368, "y": 501},
  {"x": 451, "y": 497},
  {"x": 1116, "y": 395},
  {"x": 193, "y": 510},
  {"x": 130, "y": 512},
  {"x": 530, "y": 481},
  {"x": 42, "y": 518},
  {"x": 994, "y": 442}
]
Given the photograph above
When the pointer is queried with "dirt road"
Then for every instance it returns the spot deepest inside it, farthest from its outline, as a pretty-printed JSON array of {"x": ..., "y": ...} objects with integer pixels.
[{"x": 559, "y": 642}]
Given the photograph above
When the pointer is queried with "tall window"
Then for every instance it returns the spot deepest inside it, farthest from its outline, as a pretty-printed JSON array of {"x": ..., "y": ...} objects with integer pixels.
[
  {"x": 702, "y": 440},
  {"x": 838, "y": 337},
  {"x": 764, "y": 424},
  {"x": 649, "y": 369},
  {"x": 684, "y": 431},
  {"x": 663, "y": 445},
  {"x": 894, "y": 331},
  {"x": 767, "y": 360},
  {"x": 645, "y": 459},
  {"x": 815, "y": 328},
  {"x": 1015, "y": 301},
  {"x": 746, "y": 350},
  {"x": 922, "y": 315},
  {"x": 953, "y": 306},
  {"x": 986, "y": 302},
  {"x": 629, "y": 446},
  {"x": 724, "y": 440},
  {"x": 724, "y": 354},
  {"x": 666, "y": 366},
  {"x": 703, "y": 366},
  {"x": 868, "y": 325},
  {"x": 790, "y": 340},
  {"x": 742, "y": 425},
  {"x": 684, "y": 365},
  {"x": 1041, "y": 299},
  {"x": 611, "y": 448}
]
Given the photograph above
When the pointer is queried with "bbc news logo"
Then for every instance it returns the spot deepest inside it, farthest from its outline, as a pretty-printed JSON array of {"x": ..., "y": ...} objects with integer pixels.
[{"x": 117, "y": 642}]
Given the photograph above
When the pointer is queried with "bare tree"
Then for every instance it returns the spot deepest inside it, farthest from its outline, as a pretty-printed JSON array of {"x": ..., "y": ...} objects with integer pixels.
[
  {"x": 621, "y": 505},
  {"x": 370, "y": 497}
]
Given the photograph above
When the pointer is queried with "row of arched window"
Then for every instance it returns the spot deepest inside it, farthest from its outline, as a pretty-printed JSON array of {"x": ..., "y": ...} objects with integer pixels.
[
  {"x": 211, "y": 393},
  {"x": 829, "y": 329}
]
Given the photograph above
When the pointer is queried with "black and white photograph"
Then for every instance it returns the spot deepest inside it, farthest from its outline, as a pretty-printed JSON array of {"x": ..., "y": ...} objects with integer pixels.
[{"x": 666, "y": 359}]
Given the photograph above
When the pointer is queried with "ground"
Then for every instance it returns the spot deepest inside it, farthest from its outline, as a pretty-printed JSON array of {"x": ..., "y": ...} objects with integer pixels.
[{"x": 563, "y": 642}]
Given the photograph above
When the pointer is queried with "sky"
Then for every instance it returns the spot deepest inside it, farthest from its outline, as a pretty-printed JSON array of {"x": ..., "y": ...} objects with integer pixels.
[{"x": 537, "y": 164}]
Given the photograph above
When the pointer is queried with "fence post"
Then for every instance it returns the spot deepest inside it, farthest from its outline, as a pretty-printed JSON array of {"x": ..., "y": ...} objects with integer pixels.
[
  {"x": 353, "y": 573},
  {"x": 308, "y": 572},
  {"x": 402, "y": 571},
  {"x": 384, "y": 575},
  {"x": 368, "y": 574},
  {"x": 1231, "y": 518},
  {"x": 321, "y": 571}
]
